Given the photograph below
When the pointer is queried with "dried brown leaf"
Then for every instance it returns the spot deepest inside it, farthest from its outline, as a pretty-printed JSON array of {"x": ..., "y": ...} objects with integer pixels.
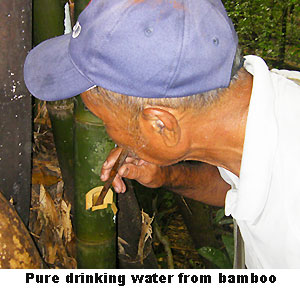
[
  {"x": 46, "y": 180},
  {"x": 47, "y": 207},
  {"x": 121, "y": 242},
  {"x": 66, "y": 220},
  {"x": 51, "y": 253},
  {"x": 70, "y": 263},
  {"x": 146, "y": 232},
  {"x": 60, "y": 187},
  {"x": 53, "y": 168}
]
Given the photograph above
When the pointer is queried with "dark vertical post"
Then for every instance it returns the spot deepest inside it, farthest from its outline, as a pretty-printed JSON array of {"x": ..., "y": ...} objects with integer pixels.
[{"x": 15, "y": 104}]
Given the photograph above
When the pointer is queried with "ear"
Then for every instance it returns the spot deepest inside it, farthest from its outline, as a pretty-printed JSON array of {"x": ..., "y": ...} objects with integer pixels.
[{"x": 162, "y": 123}]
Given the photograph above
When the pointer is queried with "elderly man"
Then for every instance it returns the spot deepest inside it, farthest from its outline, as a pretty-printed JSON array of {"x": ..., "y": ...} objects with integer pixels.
[{"x": 169, "y": 84}]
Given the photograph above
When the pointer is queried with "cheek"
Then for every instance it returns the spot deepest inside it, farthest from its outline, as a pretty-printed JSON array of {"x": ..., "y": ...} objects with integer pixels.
[
  {"x": 120, "y": 137},
  {"x": 154, "y": 155}
]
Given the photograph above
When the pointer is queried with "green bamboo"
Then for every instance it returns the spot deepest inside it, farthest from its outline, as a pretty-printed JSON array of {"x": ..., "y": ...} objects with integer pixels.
[
  {"x": 95, "y": 230},
  {"x": 79, "y": 6},
  {"x": 61, "y": 116},
  {"x": 48, "y": 19},
  {"x": 48, "y": 16}
]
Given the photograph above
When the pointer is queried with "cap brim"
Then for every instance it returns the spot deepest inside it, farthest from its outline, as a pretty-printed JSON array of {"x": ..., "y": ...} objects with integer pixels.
[{"x": 49, "y": 73}]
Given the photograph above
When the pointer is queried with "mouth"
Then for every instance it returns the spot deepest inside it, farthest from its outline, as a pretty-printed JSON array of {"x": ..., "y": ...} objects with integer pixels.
[{"x": 132, "y": 154}]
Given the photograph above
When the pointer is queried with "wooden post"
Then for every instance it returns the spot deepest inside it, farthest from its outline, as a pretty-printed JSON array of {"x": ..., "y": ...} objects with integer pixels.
[{"x": 15, "y": 104}]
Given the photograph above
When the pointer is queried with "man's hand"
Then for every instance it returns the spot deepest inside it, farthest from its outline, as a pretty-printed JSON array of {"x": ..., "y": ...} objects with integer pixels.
[
  {"x": 196, "y": 180},
  {"x": 148, "y": 174}
]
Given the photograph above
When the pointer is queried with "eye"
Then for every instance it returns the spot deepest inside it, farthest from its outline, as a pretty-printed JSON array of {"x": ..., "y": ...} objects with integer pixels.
[{"x": 86, "y": 108}]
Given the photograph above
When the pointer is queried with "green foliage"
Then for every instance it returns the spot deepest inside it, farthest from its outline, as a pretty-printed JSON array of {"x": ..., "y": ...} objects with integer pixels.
[
  {"x": 220, "y": 218},
  {"x": 229, "y": 245},
  {"x": 223, "y": 257},
  {"x": 219, "y": 257},
  {"x": 219, "y": 215},
  {"x": 268, "y": 28},
  {"x": 216, "y": 256}
]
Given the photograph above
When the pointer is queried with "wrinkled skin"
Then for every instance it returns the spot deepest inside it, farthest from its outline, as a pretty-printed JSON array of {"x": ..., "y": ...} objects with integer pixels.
[{"x": 215, "y": 136}]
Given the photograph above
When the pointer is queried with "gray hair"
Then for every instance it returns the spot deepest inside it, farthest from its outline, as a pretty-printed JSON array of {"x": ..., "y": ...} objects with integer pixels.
[{"x": 135, "y": 105}]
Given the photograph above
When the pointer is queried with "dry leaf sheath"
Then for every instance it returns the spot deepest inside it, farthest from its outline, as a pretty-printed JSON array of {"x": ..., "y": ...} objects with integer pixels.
[{"x": 146, "y": 232}]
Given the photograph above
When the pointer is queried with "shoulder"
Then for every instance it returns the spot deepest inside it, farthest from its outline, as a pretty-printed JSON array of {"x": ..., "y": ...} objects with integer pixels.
[{"x": 288, "y": 74}]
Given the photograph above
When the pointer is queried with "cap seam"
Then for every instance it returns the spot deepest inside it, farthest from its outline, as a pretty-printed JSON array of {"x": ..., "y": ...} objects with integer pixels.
[
  {"x": 226, "y": 22},
  {"x": 106, "y": 40},
  {"x": 76, "y": 67},
  {"x": 180, "y": 55},
  {"x": 117, "y": 23}
]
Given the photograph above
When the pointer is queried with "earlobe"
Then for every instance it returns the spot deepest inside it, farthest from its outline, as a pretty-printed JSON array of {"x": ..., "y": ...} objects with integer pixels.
[{"x": 162, "y": 124}]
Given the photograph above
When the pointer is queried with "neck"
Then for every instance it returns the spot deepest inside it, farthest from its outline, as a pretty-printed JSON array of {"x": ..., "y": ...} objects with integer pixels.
[{"x": 218, "y": 132}]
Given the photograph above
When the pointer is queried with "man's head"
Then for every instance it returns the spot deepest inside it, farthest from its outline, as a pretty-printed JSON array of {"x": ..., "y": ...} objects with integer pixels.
[
  {"x": 137, "y": 55},
  {"x": 160, "y": 130},
  {"x": 128, "y": 109}
]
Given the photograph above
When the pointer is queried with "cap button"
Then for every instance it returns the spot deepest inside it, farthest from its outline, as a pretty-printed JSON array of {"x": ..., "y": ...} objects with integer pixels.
[
  {"x": 76, "y": 30},
  {"x": 216, "y": 41},
  {"x": 148, "y": 31}
]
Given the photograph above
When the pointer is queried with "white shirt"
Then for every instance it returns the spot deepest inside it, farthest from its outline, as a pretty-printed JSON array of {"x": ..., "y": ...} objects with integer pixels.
[{"x": 265, "y": 200}]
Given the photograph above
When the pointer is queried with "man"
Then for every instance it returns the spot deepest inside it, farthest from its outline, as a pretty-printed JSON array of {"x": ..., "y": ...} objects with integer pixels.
[{"x": 167, "y": 80}]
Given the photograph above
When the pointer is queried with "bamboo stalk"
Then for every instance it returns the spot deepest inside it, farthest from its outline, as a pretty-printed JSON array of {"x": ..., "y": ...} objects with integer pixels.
[
  {"x": 95, "y": 231},
  {"x": 48, "y": 18},
  {"x": 61, "y": 116},
  {"x": 79, "y": 6},
  {"x": 47, "y": 22}
]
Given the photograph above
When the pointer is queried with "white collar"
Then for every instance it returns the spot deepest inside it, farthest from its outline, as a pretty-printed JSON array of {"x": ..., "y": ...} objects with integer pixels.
[{"x": 259, "y": 146}]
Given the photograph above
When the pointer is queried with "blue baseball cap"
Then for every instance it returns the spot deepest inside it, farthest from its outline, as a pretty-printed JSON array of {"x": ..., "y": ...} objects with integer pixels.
[{"x": 143, "y": 48}]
